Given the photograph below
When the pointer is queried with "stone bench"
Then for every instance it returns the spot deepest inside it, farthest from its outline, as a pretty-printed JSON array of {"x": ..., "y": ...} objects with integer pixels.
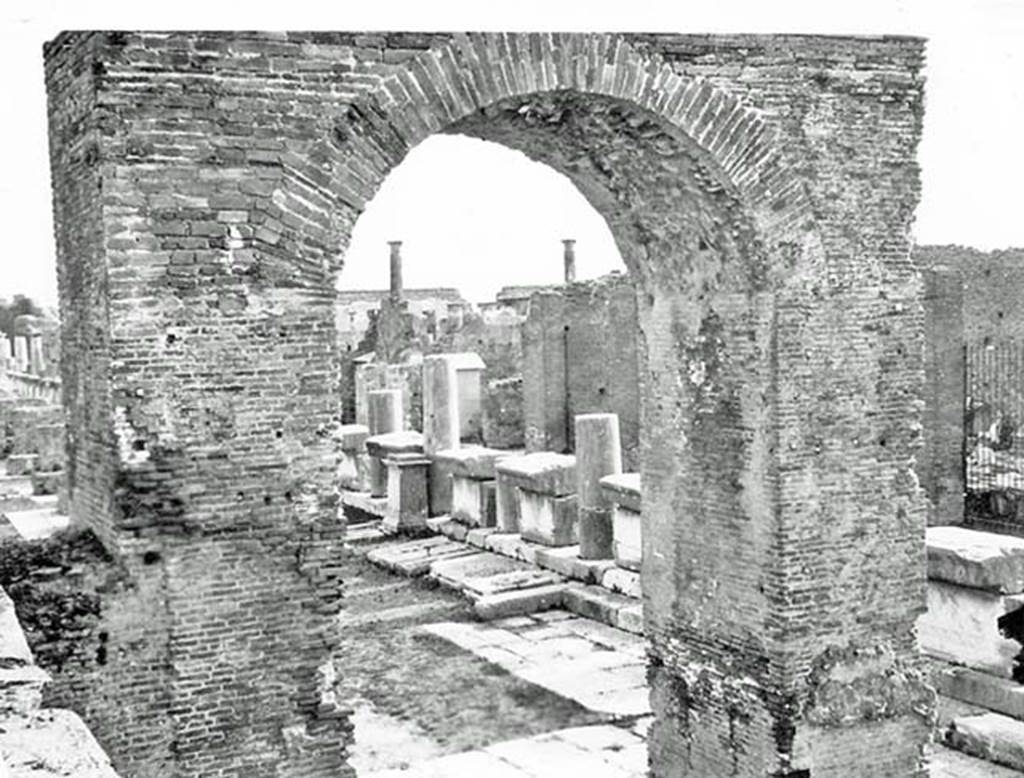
[
  {"x": 473, "y": 482},
  {"x": 536, "y": 497},
  {"x": 354, "y": 464},
  {"x": 622, "y": 491}
]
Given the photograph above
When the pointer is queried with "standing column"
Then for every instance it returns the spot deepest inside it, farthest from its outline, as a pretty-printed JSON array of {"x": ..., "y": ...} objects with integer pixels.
[
  {"x": 440, "y": 424},
  {"x": 569, "y": 260},
  {"x": 384, "y": 415},
  {"x": 21, "y": 353},
  {"x": 598, "y": 453},
  {"x": 36, "y": 363},
  {"x": 396, "y": 270}
]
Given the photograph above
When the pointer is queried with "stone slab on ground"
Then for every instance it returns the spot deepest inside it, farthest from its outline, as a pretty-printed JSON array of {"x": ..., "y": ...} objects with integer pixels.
[
  {"x": 519, "y": 602},
  {"x": 414, "y": 557},
  {"x": 598, "y": 604},
  {"x": 52, "y": 743},
  {"x": 1001, "y": 695},
  {"x": 990, "y": 736},
  {"x": 600, "y": 668},
  {"x": 481, "y": 573},
  {"x": 981, "y": 560},
  {"x": 946, "y": 763},
  {"x": 38, "y": 523},
  {"x": 599, "y": 751}
]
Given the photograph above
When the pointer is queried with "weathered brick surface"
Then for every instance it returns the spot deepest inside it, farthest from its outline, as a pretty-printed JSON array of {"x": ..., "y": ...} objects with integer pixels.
[
  {"x": 760, "y": 190},
  {"x": 589, "y": 329}
]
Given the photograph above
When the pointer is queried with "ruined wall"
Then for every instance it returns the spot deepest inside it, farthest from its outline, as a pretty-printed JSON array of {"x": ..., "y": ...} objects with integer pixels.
[
  {"x": 760, "y": 190},
  {"x": 581, "y": 355}
]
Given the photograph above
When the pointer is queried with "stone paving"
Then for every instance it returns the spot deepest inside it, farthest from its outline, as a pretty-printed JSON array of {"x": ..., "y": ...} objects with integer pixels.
[{"x": 602, "y": 668}]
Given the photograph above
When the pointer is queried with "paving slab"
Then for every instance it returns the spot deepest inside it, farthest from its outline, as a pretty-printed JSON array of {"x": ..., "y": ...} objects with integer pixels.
[
  {"x": 990, "y": 736},
  {"x": 414, "y": 558},
  {"x": 981, "y": 560},
  {"x": 37, "y": 523},
  {"x": 946, "y": 763},
  {"x": 519, "y": 601},
  {"x": 603, "y": 669}
]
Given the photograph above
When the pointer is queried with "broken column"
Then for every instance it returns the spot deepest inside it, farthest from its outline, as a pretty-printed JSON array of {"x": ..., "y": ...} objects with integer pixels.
[
  {"x": 569, "y": 259},
  {"x": 21, "y": 353},
  {"x": 385, "y": 415},
  {"x": 440, "y": 424},
  {"x": 598, "y": 453}
]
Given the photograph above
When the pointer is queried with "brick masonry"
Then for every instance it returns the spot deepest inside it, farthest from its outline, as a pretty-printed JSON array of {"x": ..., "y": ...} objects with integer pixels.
[{"x": 760, "y": 190}]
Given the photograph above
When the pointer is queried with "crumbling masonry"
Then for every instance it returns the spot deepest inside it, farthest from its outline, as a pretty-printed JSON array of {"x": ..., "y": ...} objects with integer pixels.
[{"x": 760, "y": 190}]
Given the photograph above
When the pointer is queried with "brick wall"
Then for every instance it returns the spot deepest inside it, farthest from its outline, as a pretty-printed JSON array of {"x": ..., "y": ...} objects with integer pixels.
[
  {"x": 760, "y": 190},
  {"x": 589, "y": 330}
]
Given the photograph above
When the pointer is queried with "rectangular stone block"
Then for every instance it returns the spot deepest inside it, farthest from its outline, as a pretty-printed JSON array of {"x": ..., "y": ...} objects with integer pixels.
[
  {"x": 408, "y": 504},
  {"x": 21, "y": 464},
  {"x": 542, "y": 472},
  {"x": 961, "y": 626},
  {"x": 506, "y": 504},
  {"x": 981, "y": 560},
  {"x": 548, "y": 520},
  {"x": 473, "y": 501},
  {"x": 471, "y": 461},
  {"x": 623, "y": 492}
]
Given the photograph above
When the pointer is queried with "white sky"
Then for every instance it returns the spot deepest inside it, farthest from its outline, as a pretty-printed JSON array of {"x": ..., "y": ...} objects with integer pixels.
[{"x": 478, "y": 217}]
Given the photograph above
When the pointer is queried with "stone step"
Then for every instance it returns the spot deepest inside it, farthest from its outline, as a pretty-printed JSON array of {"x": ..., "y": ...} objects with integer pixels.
[
  {"x": 990, "y": 736},
  {"x": 519, "y": 602},
  {"x": 948, "y": 763},
  {"x": 599, "y": 604},
  {"x": 1001, "y": 695},
  {"x": 414, "y": 557},
  {"x": 483, "y": 573}
]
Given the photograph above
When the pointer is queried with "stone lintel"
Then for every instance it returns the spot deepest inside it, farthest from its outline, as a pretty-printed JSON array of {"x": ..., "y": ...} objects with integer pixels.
[
  {"x": 623, "y": 489},
  {"x": 543, "y": 472}
]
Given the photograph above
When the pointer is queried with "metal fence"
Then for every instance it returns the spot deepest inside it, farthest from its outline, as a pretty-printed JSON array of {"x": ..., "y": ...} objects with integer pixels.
[{"x": 994, "y": 434}]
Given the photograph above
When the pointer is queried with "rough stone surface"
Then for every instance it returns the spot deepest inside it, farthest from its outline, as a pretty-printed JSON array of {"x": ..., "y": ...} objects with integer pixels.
[
  {"x": 981, "y": 560},
  {"x": 542, "y": 472},
  {"x": 990, "y": 736},
  {"x": 760, "y": 189}
]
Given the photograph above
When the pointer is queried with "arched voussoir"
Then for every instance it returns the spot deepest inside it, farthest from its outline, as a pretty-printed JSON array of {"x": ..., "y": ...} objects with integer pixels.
[{"x": 447, "y": 83}]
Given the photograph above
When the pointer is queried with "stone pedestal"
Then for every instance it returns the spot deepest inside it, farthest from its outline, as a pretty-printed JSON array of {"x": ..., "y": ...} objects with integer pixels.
[
  {"x": 354, "y": 464},
  {"x": 622, "y": 491},
  {"x": 385, "y": 416},
  {"x": 408, "y": 503},
  {"x": 49, "y": 441},
  {"x": 598, "y": 453}
]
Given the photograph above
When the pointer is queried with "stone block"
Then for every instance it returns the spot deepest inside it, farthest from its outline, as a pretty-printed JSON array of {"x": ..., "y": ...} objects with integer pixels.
[
  {"x": 976, "y": 688},
  {"x": 21, "y": 464},
  {"x": 352, "y": 437},
  {"x": 506, "y": 504},
  {"x": 981, "y": 560},
  {"x": 408, "y": 504},
  {"x": 473, "y": 501},
  {"x": 623, "y": 489},
  {"x": 47, "y": 483},
  {"x": 990, "y": 736},
  {"x": 548, "y": 520},
  {"x": 472, "y": 461},
  {"x": 405, "y": 442},
  {"x": 542, "y": 472},
  {"x": 961, "y": 626},
  {"x": 519, "y": 601}
]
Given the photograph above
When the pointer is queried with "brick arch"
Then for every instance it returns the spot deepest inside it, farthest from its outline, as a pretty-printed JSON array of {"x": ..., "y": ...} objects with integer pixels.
[{"x": 446, "y": 84}]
